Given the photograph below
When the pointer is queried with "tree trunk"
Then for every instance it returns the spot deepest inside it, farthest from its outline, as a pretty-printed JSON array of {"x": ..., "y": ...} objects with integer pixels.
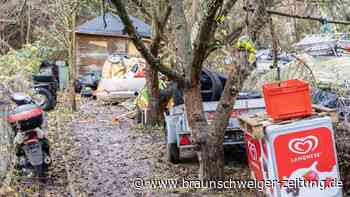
[
  {"x": 238, "y": 72},
  {"x": 199, "y": 126},
  {"x": 208, "y": 142},
  {"x": 29, "y": 22},
  {"x": 154, "y": 108},
  {"x": 210, "y": 153},
  {"x": 72, "y": 64},
  {"x": 212, "y": 164}
]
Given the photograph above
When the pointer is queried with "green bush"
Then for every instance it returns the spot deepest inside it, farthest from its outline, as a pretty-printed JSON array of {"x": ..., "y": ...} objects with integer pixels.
[{"x": 17, "y": 66}]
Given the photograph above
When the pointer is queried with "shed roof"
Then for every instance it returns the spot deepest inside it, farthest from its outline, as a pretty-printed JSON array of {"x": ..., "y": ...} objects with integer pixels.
[{"x": 115, "y": 26}]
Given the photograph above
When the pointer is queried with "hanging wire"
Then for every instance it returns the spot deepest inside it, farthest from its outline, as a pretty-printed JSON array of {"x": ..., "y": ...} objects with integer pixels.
[
  {"x": 104, "y": 13},
  {"x": 246, "y": 4},
  {"x": 274, "y": 40}
]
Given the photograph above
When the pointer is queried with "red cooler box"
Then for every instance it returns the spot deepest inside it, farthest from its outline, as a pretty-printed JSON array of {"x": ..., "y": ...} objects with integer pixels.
[{"x": 299, "y": 154}]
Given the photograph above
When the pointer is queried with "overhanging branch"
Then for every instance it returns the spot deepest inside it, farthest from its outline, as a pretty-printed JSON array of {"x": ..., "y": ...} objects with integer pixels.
[
  {"x": 206, "y": 30},
  {"x": 139, "y": 4},
  {"x": 232, "y": 36},
  {"x": 160, "y": 30},
  {"x": 321, "y": 20},
  {"x": 227, "y": 7},
  {"x": 141, "y": 47}
]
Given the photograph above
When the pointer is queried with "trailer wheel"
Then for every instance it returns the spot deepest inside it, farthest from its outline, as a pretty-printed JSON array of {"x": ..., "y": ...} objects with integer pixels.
[{"x": 173, "y": 153}]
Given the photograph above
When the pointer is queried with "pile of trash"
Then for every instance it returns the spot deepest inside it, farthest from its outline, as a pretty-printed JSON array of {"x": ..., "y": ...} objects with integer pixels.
[
  {"x": 322, "y": 60},
  {"x": 328, "y": 44},
  {"x": 120, "y": 79}
]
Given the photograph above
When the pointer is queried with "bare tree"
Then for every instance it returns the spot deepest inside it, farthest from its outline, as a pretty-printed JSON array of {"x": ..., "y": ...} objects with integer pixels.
[
  {"x": 159, "y": 21},
  {"x": 208, "y": 139}
]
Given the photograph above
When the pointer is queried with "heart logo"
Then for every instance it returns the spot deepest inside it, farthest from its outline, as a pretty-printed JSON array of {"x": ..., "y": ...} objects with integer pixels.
[
  {"x": 252, "y": 150},
  {"x": 303, "y": 145}
]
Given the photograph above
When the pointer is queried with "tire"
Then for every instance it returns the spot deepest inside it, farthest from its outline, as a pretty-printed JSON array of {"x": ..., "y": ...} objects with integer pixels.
[
  {"x": 45, "y": 99},
  {"x": 138, "y": 116},
  {"x": 165, "y": 133},
  {"x": 216, "y": 85},
  {"x": 217, "y": 89},
  {"x": 77, "y": 86},
  {"x": 212, "y": 87},
  {"x": 43, "y": 78},
  {"x": 173, "y": 153}
]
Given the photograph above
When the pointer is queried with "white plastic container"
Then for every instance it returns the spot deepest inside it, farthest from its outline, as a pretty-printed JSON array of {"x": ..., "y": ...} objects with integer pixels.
[{"x": 300, "y": 152}]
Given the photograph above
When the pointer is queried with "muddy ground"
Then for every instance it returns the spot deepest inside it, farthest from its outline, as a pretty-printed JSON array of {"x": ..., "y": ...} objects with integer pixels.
[
  {"x": 107, "y": 156},
  {"x": 96, "y": 155}
]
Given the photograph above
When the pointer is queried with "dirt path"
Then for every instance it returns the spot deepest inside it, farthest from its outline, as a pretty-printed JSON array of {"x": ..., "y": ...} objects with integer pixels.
[{"x": 106, "y": 156}]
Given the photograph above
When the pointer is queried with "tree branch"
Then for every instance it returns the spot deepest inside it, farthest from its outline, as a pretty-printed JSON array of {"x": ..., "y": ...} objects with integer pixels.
[
  {"x": 231, "y": 36},
  {"x": 6, "y": 44},
  {"x": 159, "y": 30},
  {"x": 166, "y": 16},
  {"x": 228, "y": 7},
  {"x": 7, "y": 21},
  {"x": 227, "y": 40},
  {"x": 301, "y": 17},
  {"x": 201, "y": 45},
  {"x": 141, "y": 47},
  {"x": 260, "y": 18},
  {"x": 183, "y": 46},
  {"x": 142, "y": 8},
  {"x": 238, "y": 73}
]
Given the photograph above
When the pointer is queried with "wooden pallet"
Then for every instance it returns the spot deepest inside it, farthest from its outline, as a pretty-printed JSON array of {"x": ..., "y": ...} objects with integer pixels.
[{"x": 256, "y": 123}]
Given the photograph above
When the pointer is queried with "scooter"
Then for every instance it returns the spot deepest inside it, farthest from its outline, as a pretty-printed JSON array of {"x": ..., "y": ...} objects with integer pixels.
[{"x": 31, "y": 144}]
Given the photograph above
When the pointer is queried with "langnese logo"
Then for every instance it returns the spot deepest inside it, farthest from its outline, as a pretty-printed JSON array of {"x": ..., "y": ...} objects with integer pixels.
[
  {"x": 303, "y": 145},
  {"x": 252, "y": 151}
]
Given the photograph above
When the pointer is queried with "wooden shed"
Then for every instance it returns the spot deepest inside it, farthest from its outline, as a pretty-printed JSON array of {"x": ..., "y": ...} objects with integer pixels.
[{"x": 104, "y": 35}]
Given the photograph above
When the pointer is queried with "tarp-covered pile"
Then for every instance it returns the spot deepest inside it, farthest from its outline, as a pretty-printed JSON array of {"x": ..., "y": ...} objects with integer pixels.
[{"x": 322, "y": 70}]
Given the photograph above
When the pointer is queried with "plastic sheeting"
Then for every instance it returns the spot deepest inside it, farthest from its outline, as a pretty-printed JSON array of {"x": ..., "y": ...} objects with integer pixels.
[
  {"x": 324, "y": 98},
  {"x": 330, "y": 71}
]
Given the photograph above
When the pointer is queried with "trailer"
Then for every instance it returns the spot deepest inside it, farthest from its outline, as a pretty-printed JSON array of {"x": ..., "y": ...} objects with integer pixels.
[{"x": 178, "y": 134}]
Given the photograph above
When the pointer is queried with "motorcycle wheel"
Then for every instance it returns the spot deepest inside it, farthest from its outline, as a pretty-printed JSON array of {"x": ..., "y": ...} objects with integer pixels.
[{"x": 44, "y": 98}]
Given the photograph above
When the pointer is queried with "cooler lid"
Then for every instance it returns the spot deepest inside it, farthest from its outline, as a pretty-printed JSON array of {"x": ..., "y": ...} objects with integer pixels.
[{"x": 303, "y": 124}]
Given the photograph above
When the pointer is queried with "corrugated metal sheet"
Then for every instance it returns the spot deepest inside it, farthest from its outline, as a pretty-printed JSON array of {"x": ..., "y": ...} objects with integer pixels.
[{"x": 114, "y": 27}]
